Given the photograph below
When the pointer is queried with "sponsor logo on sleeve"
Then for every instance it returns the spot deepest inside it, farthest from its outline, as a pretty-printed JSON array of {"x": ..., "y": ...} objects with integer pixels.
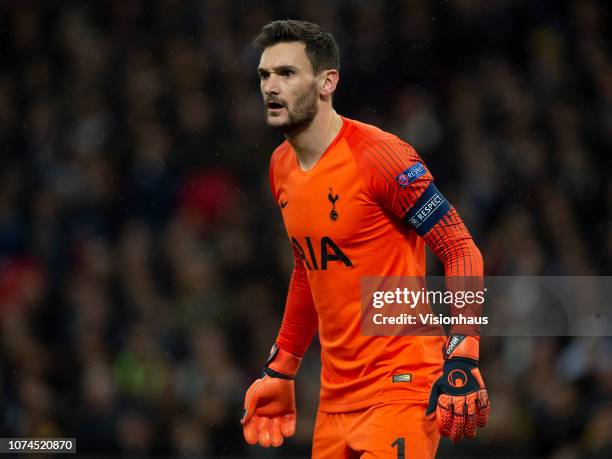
[{"x": 410, "y": 175}]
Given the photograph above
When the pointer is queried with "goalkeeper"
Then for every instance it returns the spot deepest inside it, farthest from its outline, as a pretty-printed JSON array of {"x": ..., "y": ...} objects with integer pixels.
[{"x": 356, "y": 201}]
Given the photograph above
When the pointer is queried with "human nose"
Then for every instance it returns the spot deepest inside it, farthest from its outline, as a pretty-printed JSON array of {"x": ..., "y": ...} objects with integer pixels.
[{"x": 270, "y": 85}]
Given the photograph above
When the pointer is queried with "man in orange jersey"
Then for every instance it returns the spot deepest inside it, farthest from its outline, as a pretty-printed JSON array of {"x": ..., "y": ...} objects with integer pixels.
[{"x": 356, "y": 201}]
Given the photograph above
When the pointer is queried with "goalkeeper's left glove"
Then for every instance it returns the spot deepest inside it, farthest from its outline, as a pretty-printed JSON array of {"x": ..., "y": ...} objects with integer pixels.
[{"x": 459, "y": 400}]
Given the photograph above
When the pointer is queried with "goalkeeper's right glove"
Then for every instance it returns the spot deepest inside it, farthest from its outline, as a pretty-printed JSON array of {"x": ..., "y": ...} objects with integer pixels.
[{"x": 269, "y": 404}]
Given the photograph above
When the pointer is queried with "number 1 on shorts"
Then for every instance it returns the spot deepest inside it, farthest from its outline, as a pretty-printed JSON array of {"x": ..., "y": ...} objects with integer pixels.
[{"x": 401, "y": 447}]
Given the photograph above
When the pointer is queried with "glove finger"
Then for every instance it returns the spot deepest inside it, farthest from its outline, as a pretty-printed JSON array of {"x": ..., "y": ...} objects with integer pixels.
[
  {"x": 250, "y": 402},
  {"x": 433, "y": 400},
  {"x": 469, "y": 429},
  {"x": 263, "y": 427},
  {"x": 476, "y": 373},
  {"x": 276, "y": 436},
  {"x": 250, "y": 431},
  {"x": 444, "y": 414},
  {"x": 287, "y": 425},
  {"x": 483, "y": 408},
  {"x": 456, "y": 431},
  {"x": 459, "y": 410}
]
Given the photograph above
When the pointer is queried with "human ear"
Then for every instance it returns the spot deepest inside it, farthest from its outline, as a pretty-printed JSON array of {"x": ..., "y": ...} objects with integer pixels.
[{"x": 328, "y": 80}]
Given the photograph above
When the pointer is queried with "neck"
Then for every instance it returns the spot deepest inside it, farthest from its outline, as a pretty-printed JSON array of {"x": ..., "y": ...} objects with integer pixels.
[{"x": 311, "y": 142}]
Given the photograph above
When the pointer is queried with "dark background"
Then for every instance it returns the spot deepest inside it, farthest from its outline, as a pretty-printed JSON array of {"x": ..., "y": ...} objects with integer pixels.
[{"x": 143, "y": 262}]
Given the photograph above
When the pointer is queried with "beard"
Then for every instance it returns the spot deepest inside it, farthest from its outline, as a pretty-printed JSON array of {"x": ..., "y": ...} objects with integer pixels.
[{"x": 301, "y": 115}]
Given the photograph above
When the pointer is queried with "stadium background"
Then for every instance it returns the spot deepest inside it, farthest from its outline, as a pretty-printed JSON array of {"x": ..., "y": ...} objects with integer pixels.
[{"x": 143, "y": 264}]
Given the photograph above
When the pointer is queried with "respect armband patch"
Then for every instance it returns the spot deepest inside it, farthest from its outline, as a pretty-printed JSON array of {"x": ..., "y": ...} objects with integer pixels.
[
  {"x": 410, "y": 175},
  {"x": 428, "y": 210}
]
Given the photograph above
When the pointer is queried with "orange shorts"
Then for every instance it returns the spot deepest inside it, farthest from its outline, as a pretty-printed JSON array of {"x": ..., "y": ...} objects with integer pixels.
[{"x": 395, "y": 430}]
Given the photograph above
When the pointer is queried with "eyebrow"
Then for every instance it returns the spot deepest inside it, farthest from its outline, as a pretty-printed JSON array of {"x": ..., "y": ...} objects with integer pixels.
[{"x": 276, "y": 69}]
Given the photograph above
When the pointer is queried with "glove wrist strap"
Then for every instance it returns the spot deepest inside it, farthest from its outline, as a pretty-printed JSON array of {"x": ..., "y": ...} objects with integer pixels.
[
  {"x": 467, "y": 347},
  {"x": 282, "y": 364},
  {"x": 275, "y": 374}
]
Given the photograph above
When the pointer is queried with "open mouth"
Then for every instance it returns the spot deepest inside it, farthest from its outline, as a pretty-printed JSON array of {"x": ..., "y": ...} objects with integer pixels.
[{"x": 275, "y": 105}]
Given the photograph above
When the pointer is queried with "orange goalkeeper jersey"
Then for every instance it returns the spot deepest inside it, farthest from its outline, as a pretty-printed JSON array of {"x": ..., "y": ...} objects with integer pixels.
[{"x": 344, "y": 218}]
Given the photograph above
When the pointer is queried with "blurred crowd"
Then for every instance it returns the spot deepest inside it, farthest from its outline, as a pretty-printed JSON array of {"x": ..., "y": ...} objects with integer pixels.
[{"x": 143, "y": 262}]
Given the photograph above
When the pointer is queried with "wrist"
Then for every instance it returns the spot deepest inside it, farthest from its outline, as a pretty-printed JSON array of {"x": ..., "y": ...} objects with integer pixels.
[{"x": 282, "y": 363}]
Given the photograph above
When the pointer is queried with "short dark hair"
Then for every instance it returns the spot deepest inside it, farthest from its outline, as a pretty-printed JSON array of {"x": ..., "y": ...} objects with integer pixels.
[{"x": 321, "y": 47}]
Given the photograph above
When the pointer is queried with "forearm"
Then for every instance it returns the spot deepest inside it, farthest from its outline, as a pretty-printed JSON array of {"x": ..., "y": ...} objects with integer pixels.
[
  {"x": 450, "y": 240},
  {"x": 300, "y": 320}
]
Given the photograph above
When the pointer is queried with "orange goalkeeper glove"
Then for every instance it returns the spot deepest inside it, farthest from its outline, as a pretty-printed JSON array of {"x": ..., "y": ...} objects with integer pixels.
[
  {"x": 269, "y": 404},
  {"x": 459, "y": 400}
]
